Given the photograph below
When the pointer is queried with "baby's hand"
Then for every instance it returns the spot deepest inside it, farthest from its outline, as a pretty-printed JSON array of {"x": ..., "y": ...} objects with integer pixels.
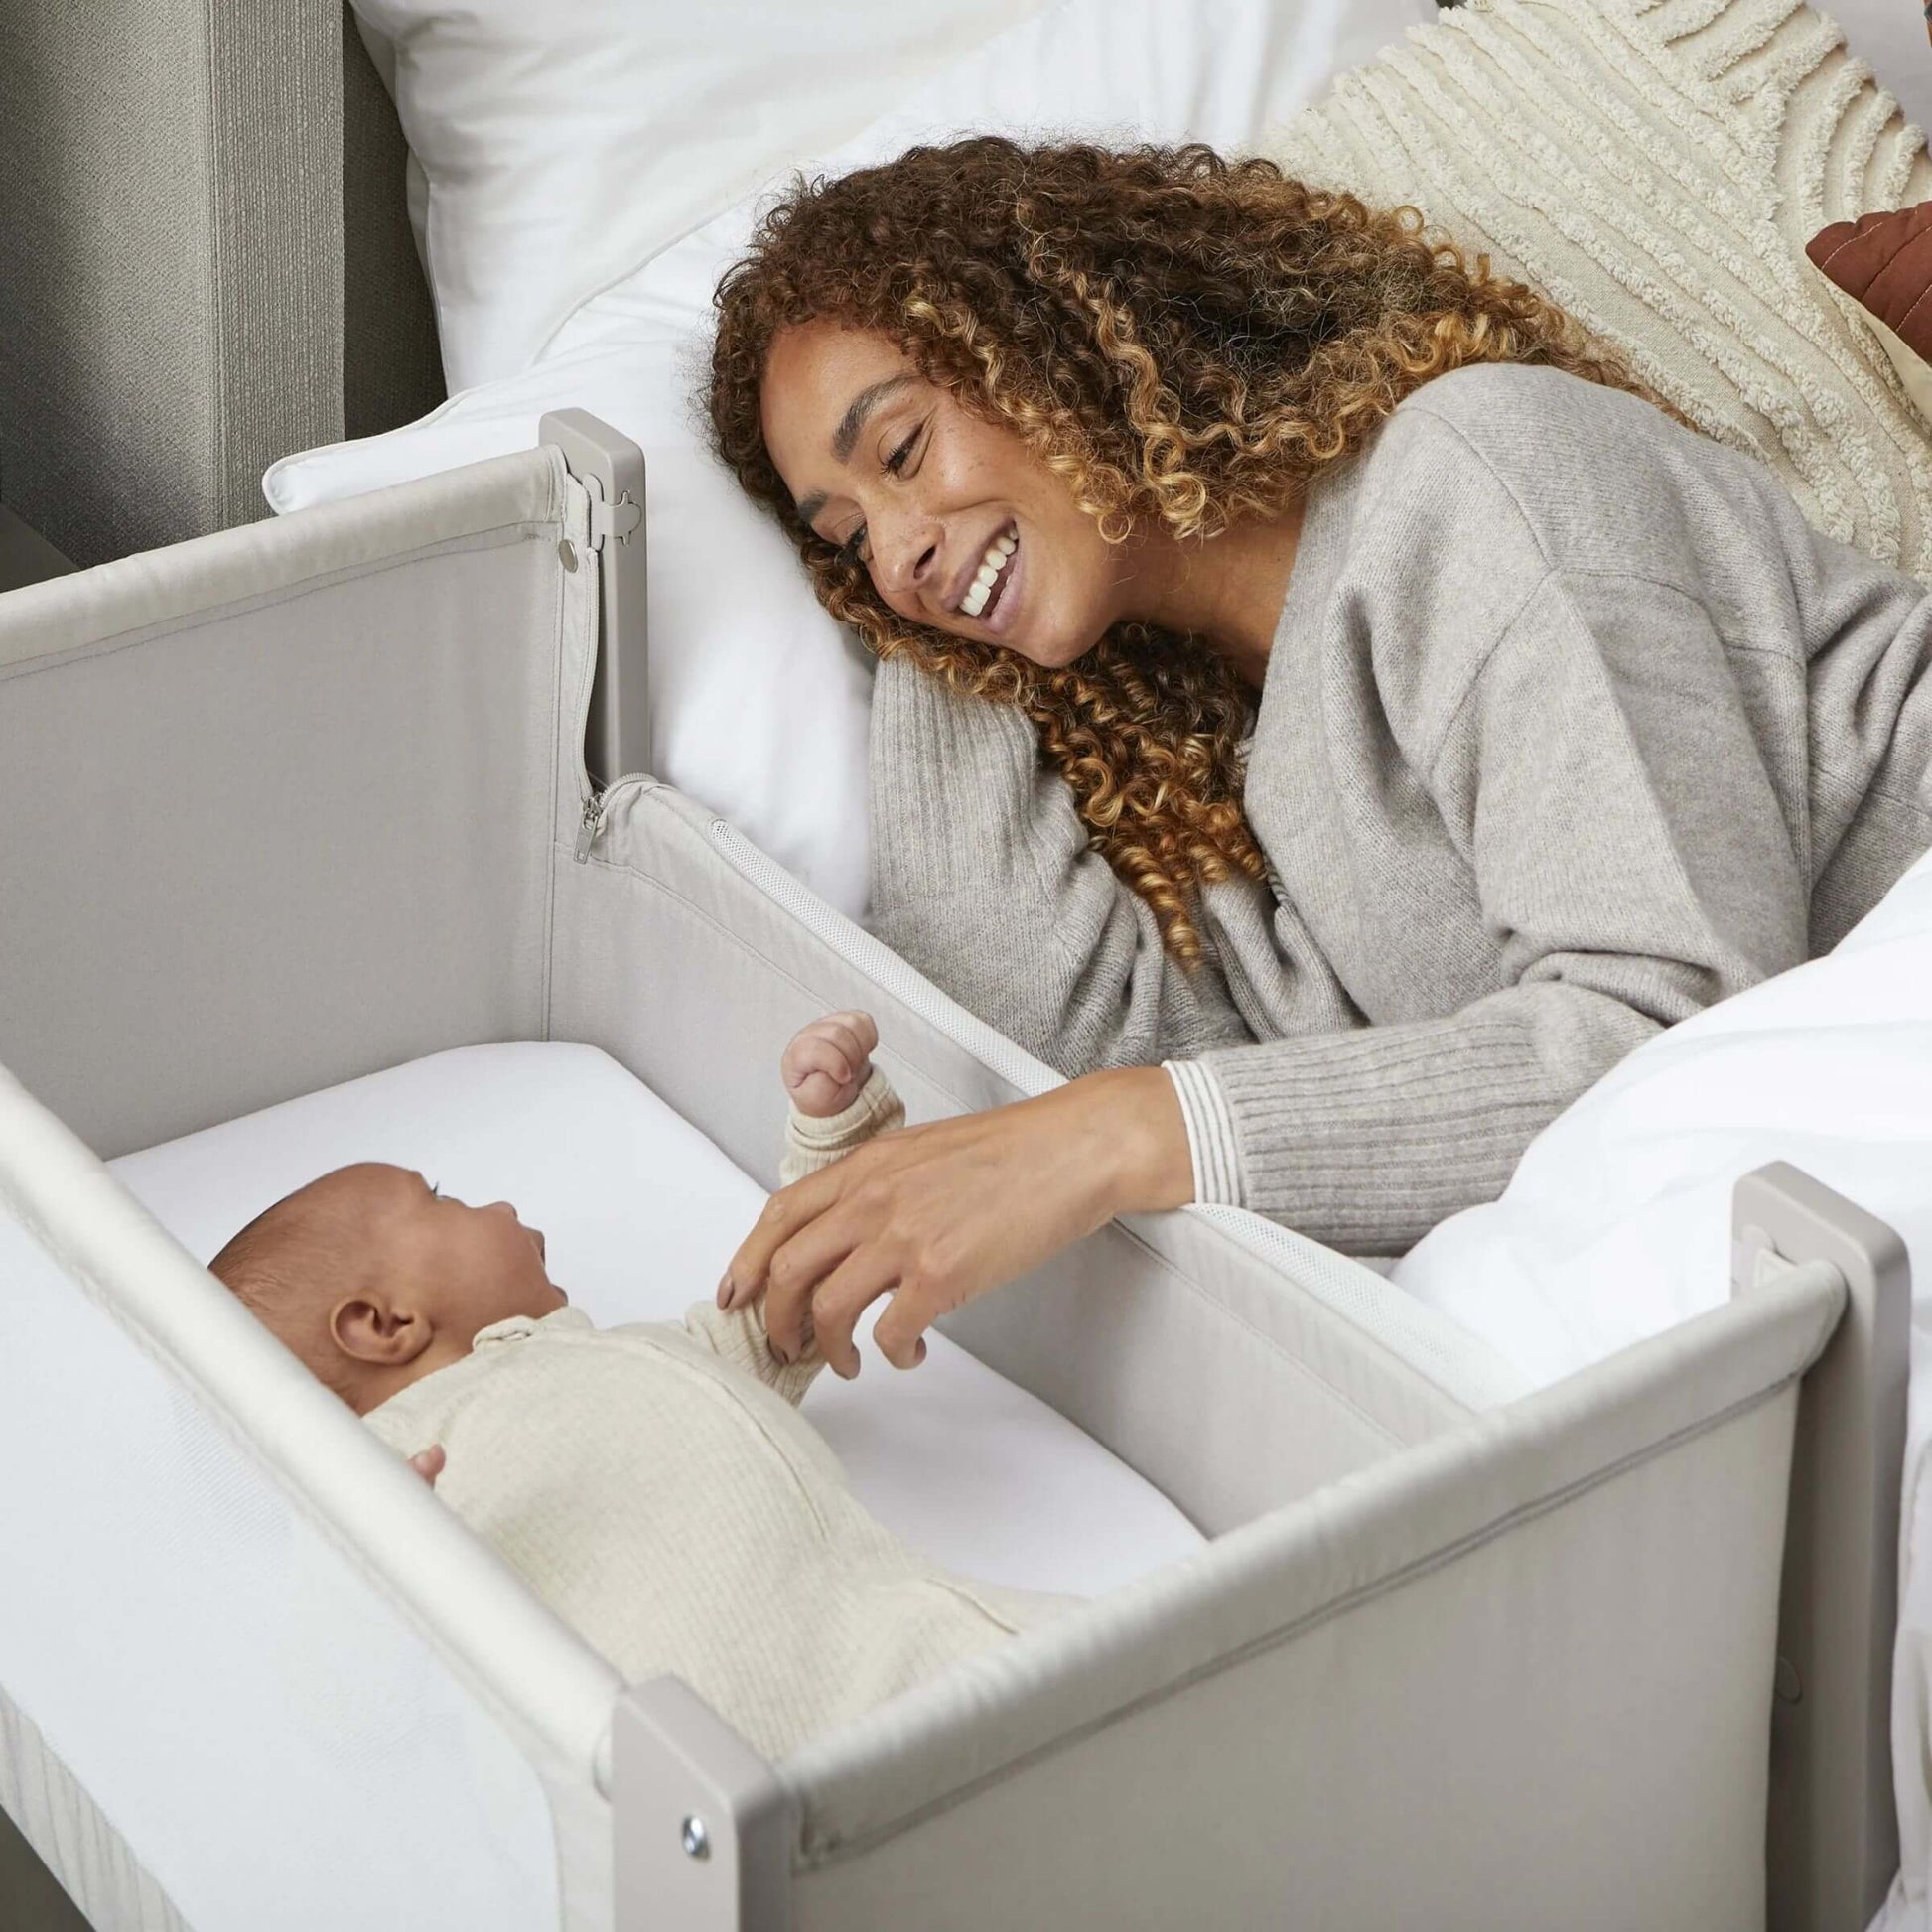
[{"x": 828, "y": 1062}]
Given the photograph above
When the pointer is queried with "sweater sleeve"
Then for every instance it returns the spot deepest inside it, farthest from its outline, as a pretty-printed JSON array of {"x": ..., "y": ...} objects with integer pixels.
[
  {"x": 984, "y": 879},
  {"x": 1600, "y": 776}
]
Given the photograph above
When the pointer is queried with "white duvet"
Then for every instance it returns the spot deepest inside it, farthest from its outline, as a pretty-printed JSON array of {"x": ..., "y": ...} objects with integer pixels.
[{"x": 1617, "y": 1224}]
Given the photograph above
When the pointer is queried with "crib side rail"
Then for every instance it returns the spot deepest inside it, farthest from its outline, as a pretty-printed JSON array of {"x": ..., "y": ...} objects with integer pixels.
[
  {"x": 1513, "y": 1677},
  {"x": 1833, "y": 1838}
]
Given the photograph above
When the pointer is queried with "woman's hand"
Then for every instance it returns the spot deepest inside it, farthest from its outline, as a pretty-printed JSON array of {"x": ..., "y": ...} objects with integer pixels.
[{"x": 934, "y": 1216}]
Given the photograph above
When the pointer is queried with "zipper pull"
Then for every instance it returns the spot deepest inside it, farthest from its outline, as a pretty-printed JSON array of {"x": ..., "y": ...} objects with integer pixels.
[{"x": 589, "y": 827}]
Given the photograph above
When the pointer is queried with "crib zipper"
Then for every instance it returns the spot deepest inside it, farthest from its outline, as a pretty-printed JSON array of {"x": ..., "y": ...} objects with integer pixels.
[{"x": 597, "y": 808}]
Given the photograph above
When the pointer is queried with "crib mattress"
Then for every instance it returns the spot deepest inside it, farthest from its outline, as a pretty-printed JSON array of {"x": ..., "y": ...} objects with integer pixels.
[{"x": 640, "y": 1213}]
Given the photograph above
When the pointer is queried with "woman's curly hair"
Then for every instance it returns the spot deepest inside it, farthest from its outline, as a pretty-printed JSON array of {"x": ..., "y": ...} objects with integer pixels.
[{"x": 1185, "y": 341}]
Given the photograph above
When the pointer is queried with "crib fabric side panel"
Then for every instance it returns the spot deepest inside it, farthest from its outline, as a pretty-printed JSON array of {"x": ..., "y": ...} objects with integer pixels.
[
  {"x": 73, "y": 1836},
  {"x": 277, "y": 801},
  {"x": 667, "y": 959},
  {"x": 1564, "y": 1728},
  {"x": 1520, "y": 1675}
]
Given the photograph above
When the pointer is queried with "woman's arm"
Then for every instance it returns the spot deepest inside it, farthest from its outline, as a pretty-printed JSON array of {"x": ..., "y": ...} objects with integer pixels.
[
  {"x": 983, "y": 877},
  {"x": 1633, "y": 855}
]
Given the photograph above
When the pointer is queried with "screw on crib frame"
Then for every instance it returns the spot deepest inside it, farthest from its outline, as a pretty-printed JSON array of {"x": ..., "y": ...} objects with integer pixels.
[
  {"x": 611, "y": 467},
  {"x": 703, "y": 1827},
  {"x": 1832, "y": 1829}
]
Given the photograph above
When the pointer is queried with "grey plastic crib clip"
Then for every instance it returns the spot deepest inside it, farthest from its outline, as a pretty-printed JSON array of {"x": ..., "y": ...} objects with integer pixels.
[
  {"x": 1833, "y": 1839},
  {"x": 703, "y": 1826},
  {"x": 617, "y": 740}
]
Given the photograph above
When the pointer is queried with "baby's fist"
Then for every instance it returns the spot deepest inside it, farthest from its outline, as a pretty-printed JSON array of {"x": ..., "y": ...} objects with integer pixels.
[{"x": 828, "y": 1062}]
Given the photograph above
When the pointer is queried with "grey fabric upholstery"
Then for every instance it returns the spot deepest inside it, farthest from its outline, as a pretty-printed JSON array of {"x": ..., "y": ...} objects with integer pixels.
[{"x": 205, "y": 259}]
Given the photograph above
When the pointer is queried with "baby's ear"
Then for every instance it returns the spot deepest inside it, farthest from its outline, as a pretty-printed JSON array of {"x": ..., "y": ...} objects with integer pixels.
[{"x": 370, "y": 1329}]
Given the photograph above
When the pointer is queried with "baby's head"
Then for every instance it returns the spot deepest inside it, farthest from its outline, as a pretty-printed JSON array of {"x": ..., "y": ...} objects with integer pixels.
[{"x": 375, "y": 1280}]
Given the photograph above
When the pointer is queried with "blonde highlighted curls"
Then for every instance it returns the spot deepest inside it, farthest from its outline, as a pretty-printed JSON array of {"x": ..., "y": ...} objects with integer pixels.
[{"x": 1185, "y": 341}]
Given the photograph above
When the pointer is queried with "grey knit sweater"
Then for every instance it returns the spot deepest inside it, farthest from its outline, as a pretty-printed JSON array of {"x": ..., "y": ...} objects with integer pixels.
[{"x": 1571, "y": 726}]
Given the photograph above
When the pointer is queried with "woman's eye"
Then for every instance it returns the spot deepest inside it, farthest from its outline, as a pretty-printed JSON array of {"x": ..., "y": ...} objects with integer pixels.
[
  {"x": 896, "y": 461},
  {"x": 853, "y": 550}
]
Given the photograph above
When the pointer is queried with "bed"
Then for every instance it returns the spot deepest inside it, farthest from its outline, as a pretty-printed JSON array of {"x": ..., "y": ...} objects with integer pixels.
[{"x": 250, "y": 862}]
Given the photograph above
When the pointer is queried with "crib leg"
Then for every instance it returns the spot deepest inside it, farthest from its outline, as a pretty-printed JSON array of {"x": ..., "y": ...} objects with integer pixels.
[
  {"x": 1833, "y": 1843},
  {"x": 703, "y": 1830}
]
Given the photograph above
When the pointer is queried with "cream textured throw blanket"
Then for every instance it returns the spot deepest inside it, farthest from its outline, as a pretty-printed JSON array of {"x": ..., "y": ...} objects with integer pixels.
[{"x": 1656, "y": 167}]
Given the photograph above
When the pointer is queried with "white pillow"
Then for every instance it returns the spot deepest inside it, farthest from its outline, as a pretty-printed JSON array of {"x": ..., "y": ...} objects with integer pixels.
[
  {"x": 760, "y": 705},
  {"x": 555, "y": 143}
]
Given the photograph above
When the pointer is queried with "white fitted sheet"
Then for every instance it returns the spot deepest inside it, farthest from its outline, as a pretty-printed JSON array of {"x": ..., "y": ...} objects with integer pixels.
[{"x": 640, "y": 1212}]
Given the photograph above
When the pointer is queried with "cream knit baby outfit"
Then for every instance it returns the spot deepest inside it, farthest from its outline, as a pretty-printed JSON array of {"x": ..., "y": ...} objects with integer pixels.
[{"x": 658, "y": 1488}]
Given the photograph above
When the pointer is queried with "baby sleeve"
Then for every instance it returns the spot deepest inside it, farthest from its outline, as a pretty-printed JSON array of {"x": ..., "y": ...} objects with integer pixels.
[
  {"x": 740, "y": 1338},
  {"x": 813, "y": 1143}
]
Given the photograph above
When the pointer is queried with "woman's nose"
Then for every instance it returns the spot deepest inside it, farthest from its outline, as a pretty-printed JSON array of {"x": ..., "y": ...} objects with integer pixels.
[{"x": 908, "y": 558}]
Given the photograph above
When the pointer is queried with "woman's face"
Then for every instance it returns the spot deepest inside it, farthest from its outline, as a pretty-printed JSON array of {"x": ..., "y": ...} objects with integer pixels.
[{"x": 962, "y": 529}]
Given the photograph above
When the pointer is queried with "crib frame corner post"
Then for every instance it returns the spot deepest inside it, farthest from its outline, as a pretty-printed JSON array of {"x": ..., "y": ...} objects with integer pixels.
[
  {"x": 1833, "y": 1828},
  {"x": 611, "y": 467},
  {"x": 702, "y": 1828}
]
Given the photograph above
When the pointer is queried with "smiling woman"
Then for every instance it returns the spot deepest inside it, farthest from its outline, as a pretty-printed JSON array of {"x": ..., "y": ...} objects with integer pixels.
[{"x": 1427, "y": 716}]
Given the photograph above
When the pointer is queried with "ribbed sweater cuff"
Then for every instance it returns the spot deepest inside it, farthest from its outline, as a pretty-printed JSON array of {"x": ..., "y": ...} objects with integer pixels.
[
  {"x": 1366, "y": 1139},
  {"x": 1211, "y": 1145}
]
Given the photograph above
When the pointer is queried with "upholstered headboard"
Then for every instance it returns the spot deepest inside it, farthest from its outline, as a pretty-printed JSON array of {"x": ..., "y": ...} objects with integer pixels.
[{"x": 205, "y": 261}]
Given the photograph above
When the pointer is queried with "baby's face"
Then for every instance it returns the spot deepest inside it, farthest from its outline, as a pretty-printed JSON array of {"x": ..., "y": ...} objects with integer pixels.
[{"x": 474, "y": 1266}]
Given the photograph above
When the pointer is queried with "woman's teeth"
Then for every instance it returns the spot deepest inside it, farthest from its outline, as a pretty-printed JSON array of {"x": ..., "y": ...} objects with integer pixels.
[{"x": 995, "y": 561}]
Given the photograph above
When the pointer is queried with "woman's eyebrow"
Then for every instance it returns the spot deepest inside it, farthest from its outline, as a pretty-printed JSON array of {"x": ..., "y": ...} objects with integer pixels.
[
  {"x": 862, "y": 405},
  {"x": 847, "y": 434}
]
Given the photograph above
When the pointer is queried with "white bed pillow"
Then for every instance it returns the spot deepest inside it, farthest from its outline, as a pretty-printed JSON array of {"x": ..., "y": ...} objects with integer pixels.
[
  {"x": 760, "y": 705},
  {"x": 554, "y": 143}
]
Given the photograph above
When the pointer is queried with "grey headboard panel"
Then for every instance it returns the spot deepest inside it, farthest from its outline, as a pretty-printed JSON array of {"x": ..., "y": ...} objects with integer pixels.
[{"x": 204, "y": 260}]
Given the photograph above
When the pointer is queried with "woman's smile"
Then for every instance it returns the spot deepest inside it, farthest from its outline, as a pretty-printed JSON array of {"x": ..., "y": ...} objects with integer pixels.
[{"x": 992, "y": 576}]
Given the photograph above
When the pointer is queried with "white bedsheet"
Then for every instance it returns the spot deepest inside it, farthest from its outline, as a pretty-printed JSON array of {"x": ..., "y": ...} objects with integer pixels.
[
  {"x": 640, "y": 1212},
  {"x": 1617, "y": 1222}
]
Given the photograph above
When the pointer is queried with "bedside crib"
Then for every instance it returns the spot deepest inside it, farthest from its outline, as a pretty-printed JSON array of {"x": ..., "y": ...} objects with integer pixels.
[{"x": 306, "y": 799}]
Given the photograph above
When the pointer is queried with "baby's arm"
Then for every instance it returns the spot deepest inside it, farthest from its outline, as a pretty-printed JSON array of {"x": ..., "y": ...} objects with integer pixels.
[
  {"x": 738, "y": 1338},
  {"x": 839, "y": 1099}
]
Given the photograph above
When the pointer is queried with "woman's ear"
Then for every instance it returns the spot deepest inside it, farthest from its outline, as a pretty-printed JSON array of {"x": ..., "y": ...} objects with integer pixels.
[{"x": 369, "y": 1327}]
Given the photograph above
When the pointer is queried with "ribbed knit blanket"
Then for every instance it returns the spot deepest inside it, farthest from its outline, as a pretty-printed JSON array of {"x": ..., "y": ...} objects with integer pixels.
[{"x": 1656, "y": 167}]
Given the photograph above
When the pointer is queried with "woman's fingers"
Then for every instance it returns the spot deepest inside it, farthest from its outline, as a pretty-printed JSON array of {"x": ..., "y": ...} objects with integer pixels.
[
  {"x": 842, "y": 1296},
  {"x": 792, "y": 1278},
  {"x": 428, "y": 1463},
  {"x": 788, "y": 1210},
  {"x": 899, "y": 1333}
]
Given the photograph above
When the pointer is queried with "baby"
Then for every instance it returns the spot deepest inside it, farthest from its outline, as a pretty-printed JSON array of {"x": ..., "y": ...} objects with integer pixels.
[{"x": 653, "y": 1482}]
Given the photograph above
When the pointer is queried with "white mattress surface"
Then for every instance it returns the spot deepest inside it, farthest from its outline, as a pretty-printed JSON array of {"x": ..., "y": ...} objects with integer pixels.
[{"x": 640, "y": 1213}]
